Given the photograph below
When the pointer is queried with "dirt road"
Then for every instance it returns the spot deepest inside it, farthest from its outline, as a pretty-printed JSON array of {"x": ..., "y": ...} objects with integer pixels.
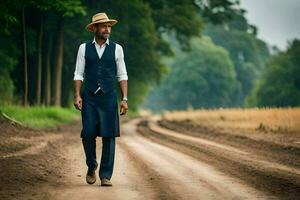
[{"x": 151, "y": 163}]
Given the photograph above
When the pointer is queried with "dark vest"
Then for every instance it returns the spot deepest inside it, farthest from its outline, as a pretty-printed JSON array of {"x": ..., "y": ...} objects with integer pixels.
[{"x": 100, "y": 72}]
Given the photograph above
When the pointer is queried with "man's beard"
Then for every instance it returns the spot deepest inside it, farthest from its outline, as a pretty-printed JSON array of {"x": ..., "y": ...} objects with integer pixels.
[{"x": 102, "y": 36}]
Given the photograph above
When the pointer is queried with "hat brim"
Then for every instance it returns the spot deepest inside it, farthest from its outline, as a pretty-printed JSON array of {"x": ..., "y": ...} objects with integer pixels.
[{"x": 90, "y": 26}]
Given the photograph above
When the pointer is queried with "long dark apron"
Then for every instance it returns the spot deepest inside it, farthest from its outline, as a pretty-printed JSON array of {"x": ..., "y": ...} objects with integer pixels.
[{"x": 100, "y": 115}]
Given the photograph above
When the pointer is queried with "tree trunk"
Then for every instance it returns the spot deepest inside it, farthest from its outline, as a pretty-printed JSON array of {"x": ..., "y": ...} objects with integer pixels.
[
  {"x": 58, "y": 62},
  {"x": 39, "y": 66},
  {"x": 25, "y": 97},
  {"x": 47, "y": 72}
]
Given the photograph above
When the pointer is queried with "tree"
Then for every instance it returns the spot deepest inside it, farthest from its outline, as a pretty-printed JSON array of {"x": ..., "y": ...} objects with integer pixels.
[
  {"x": 25, "y": 63},
  {"x": 66, "y": 8},
  {"x": 248, "y": 53},
  {"x": 205, "y": 82},
  {"x": 280, "y": 81}
]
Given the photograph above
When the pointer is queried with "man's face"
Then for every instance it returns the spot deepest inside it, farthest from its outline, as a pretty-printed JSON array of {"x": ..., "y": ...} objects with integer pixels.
[{"x": 102, "y": 30}]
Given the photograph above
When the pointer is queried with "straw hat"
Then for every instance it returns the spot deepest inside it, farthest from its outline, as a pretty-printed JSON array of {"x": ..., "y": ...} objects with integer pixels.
[{"x": 99, "y": 18}]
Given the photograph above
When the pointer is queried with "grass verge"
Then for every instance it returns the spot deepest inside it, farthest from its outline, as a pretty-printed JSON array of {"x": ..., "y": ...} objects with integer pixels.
[{"x": 40, "y": 116}]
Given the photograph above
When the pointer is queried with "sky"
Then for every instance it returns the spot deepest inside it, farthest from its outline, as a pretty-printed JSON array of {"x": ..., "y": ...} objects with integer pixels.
[{"x": 278, "y": 21}]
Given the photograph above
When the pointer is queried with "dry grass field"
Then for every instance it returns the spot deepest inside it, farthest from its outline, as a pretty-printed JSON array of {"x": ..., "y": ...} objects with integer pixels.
[{"x": 275, "y": 120}]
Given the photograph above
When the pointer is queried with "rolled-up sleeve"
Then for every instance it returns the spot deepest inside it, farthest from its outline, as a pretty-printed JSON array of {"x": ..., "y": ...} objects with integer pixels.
[
  {"x": 80, "y": 63},
  {"x": 121, "y": 67}
]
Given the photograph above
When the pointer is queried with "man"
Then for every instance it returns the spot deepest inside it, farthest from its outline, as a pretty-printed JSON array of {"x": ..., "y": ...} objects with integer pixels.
[{"x": 100, "y": 65}]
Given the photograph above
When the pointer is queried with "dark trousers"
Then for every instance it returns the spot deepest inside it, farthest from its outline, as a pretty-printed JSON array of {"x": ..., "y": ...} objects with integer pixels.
[
  {"x": 107, "y": 157},
  {"x": 99, "y": 118}
]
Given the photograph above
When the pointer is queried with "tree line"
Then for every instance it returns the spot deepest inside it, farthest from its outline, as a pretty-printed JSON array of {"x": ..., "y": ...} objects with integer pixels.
[
  {"x": 32, "y": 49},
  {"x": 228, "y": 67},
  {"x": 39, "y": 42}
]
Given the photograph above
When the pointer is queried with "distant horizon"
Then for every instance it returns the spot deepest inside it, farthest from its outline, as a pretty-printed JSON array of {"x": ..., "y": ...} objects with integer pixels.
[{"x": 278, "y": 27}]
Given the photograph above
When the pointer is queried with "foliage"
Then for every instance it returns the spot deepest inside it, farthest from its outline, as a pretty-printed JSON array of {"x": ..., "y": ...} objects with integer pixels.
[
  {"x": 147, "y": 30},
  {"x": 280, "y": 81},
  {"x": 247, "y": 52},
  {"x": 207, "y": 81}
]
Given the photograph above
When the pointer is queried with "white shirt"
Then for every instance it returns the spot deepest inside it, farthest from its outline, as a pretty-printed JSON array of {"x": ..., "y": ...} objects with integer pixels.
[{"x": 119, "y": 55}]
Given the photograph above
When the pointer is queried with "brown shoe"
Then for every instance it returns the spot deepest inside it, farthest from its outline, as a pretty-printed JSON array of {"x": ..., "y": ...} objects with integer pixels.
[
  {"x": 91, "y": 175},
  {"x": 105, "y": 182}
]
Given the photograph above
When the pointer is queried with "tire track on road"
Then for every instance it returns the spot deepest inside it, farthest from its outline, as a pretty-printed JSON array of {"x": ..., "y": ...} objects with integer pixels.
[
  {"x": 182, "y": 175},
  {"x": 237, "y": 153},
  {"x": 282, "y": 185}
]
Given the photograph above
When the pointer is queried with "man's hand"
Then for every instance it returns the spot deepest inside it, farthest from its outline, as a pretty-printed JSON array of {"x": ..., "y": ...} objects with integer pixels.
[
  {"x": 78, "y": 102},
  {"x": 123, "y": 107}
]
